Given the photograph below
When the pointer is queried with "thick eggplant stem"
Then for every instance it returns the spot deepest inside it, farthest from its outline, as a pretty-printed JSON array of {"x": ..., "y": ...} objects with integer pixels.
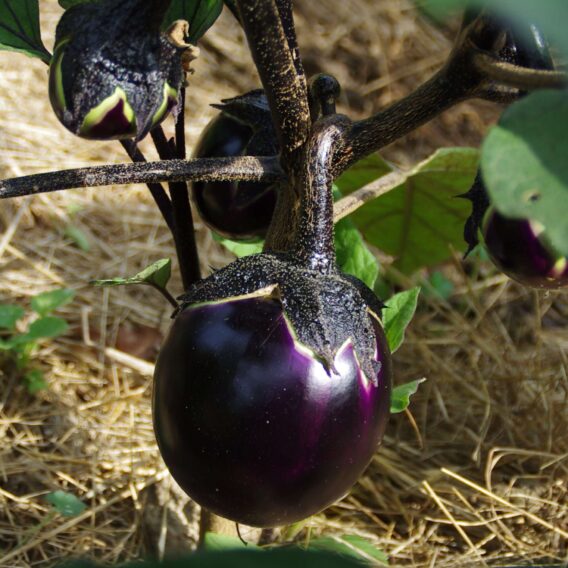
[
  {"x": 454, "y": 83},
  {"x": 314, "y": 245},
  {"x": 285, "y": 90},
  {"x": 285, "y": 8},
  {"x": 241, "y": 168}
]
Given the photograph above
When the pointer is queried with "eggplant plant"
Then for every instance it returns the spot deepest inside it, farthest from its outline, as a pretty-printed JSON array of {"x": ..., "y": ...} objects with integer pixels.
[{"x": 272, "y": 389}]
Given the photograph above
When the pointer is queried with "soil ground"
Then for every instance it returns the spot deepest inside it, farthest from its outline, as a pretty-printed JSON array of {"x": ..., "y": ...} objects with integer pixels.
[{"x": 476, "y": 474}]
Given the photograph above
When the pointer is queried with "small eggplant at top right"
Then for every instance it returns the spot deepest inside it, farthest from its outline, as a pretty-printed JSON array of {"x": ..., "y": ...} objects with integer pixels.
[{"x": 518, "y": 247}]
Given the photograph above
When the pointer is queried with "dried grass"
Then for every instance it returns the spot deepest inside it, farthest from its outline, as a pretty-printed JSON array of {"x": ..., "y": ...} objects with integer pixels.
[{"x": 476, "y": 475}]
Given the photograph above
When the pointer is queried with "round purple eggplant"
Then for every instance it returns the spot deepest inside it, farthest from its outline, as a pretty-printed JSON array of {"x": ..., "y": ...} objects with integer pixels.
[
  {"x": 113, "y": 74},
  {"x": 235, "y": 210},
  {"x": 270, "y": 403},
  {"x": 520, "y": 249},
  {"x": 272, "y": 389}
]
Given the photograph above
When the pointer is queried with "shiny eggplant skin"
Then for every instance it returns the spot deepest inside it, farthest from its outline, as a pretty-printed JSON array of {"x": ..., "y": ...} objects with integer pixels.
[
  {"x": 252, "y": 425},
  {"x": 520, "y": 249},
  {"x": 235, "y": 210}
]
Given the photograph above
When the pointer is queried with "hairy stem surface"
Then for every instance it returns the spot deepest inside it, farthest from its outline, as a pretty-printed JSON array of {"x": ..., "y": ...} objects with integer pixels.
[
  {"x": 314, "y": 245},
  {"x": 286, "y": 93},
  {"x": 242, "y": 168}
]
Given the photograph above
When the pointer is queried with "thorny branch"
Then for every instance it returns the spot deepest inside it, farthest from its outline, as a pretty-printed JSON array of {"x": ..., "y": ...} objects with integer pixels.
[
  {"x": 428, "y": 101},
  {"x": 286, "y": 93},
  {"x": 269, "y": 28},
  {"x": 285, "y": 8},
  {"x": 242, "y": 168}
]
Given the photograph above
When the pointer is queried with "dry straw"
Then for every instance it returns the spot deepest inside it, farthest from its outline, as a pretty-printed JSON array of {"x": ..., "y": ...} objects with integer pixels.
[{"x": 477, "y": 474}]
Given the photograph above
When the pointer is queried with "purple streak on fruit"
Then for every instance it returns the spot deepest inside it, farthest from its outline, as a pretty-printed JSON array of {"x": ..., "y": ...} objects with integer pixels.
[
  {"x": 520, "y": 249},
  {"x": 113, "y": 124},
  {"x": 235, "y": 210},
  {"x": 250, "y": 422}
]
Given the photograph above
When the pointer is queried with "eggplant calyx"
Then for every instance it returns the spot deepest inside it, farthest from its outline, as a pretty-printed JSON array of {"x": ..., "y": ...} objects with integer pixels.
[
  {"x": 252, "y": 110},
  {"x": 324, "y": 310}
]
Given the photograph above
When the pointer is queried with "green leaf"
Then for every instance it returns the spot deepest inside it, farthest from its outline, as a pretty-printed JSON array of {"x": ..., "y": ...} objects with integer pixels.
[
  {"x": 157, "y": 275},
  {"x": 480, "y": 253},
  {"x": 351, "y": 546},
  {"x": 214, "y": 541},
  {"x": 438, "y": 285},
  {"x": 19, "y": 28},
  {"x": 78, "y": 237},
  {"x": 47, "y": 302},
  {"x": 16, "y": 342},
  {"x": 400, "y": 398},
  {"x": 201, "y": 15},
  {"x": 35, "y": 381},
  {"x": 353, "y": 255},
  {"x": 65, "y": 503},
  {"x": 9, "y": 315},
  {"x": 420, "y": 221},
  {"x": 239, "y": 248},
  {"x": 397, "y": 314},
  {"x": 45, "y": 328},
  {"x": 524, "y": 163},
  {"x": 278, "y": 558},
  {"x": 363, "y": 172}
]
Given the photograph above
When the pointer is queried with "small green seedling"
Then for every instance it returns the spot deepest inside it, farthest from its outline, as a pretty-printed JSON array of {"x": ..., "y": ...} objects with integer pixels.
[
  {"x": 66, "y": 504},
  {"x": 20, "y": 345}
]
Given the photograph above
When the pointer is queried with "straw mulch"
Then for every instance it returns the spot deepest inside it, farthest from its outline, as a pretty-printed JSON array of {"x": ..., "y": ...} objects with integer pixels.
[{"x": 477, "y": 474}]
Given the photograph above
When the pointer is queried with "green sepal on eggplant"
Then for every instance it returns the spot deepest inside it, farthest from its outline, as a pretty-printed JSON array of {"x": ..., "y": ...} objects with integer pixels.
[{"x": 113, "y": 75}]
